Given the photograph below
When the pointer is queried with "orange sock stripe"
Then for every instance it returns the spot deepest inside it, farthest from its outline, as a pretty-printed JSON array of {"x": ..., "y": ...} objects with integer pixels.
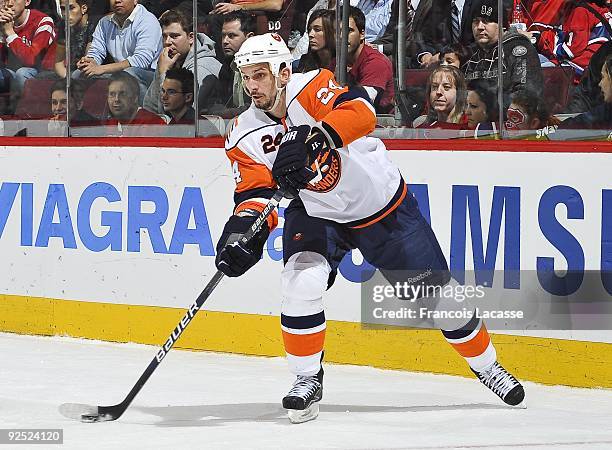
[
  {"x": 475, "y": 346},
  {"x": 304, "y": 344}
]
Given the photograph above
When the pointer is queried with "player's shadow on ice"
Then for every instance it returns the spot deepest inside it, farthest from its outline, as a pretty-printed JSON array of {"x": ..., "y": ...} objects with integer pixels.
[{"x": 214, "y": 415}]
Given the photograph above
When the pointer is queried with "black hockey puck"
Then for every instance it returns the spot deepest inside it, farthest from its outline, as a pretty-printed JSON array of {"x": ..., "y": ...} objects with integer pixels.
[{"x": 90, "y": 418}]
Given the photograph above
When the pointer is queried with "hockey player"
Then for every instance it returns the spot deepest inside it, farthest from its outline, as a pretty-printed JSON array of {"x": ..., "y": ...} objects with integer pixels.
[{"x": 308, "y": 135}]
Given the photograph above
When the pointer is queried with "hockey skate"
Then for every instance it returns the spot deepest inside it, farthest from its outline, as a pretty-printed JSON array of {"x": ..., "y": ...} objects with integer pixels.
[
  {"x": 503, "y": 384},
  {"x": 302, "y": 401}
]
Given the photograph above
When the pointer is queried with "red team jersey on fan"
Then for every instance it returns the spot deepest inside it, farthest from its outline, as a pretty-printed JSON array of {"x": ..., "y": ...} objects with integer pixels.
[
  {"x": 578, "y": 37},
  {"x": 34, "y": 45},
  {"x": 544, "y": 14}
]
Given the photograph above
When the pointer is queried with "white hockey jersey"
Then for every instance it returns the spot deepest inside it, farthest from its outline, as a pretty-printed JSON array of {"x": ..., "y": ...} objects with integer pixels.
[{"x": 360, "y": 184}]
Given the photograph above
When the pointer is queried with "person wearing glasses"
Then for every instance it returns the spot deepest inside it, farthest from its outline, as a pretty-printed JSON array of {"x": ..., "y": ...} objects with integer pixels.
[
  {"x": 176, "y": 96},
  {"x": 123, "y": 109}
]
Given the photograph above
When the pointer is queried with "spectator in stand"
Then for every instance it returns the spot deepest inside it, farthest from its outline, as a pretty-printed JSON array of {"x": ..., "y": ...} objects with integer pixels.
[
  {"x": 368, "y": 67},
  {"x": 178, "y": 39},
  {"x": 377, "y": 14},
  {"x": 430, "y": 25},
  {"x": 446, "y": 93},
  {"x": 322, "y": 42},
  {"x": 247, "y": 5},
  {"x": 81, "y": 34},
  {"x": 302, "y": 45},
  {"x": 176, "y": 96},
  {"x": 63, "y": 105},
  {"x": 528, "y": 111},
  {"x": 123, "y": 106},
  {"x": 131, "y": 36},
  {"x": 521, "y": 65},
  {"x": 600, "y": 116},
  {"x": 481, "y": 107},
  {"x": 226, "y": 96},
  {"x": 28, "y": 43},
  {"x": 587, "y": 95},
  {"x": 586, "y": 27},
  {"x": 454, "y": 55}
]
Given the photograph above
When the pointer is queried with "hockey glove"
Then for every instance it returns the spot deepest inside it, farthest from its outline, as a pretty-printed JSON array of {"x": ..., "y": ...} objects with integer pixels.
[
  {"x": 298, "y": 149},
  {"x": 234, "y": 258}
]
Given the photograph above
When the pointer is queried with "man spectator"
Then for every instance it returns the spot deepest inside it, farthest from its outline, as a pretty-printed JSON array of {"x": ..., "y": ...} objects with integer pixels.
[
  {"x": 587, "y": 95},
  {"x": 177, "y": 96},
  {"x": 81, "y": 33},
  {"x": 430, "y": 25},
  {"x": 131, "y": 36},
  {"x": 226, "y": 96},
  {"x": 600, "y": 116},
  {"x": 272, "y": 11},
  {"x": 520, "y": 62},
  {"x": 178, "y": 39},
  {"x": 123, "y": 106},
  {"x": 28, "y": 42},
  {"x": 368, "y": 67}
]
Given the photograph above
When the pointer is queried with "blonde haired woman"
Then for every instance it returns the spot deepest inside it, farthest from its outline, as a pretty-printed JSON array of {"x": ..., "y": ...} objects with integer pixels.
[{"x": 446, "y": 97}]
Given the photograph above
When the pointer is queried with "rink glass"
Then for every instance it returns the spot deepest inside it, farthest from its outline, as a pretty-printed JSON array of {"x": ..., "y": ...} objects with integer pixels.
[{"x": 28, "y": 113}]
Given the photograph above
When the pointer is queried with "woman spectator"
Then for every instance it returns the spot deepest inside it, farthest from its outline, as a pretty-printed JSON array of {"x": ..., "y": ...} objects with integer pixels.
[
  {"x": 481, "y": 105},
  {"x": 301, "y": 45},
  {"x": 446, "y": 93},
  {"x": 322, "y": 41}
]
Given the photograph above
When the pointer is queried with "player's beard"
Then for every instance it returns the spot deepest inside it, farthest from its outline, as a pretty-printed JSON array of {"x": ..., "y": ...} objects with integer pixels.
[{"x": 268, "y": 104}]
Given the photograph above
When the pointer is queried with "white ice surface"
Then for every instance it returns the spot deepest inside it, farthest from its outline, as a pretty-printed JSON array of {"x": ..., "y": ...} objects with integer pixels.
[{"x": 215, "y": 401}]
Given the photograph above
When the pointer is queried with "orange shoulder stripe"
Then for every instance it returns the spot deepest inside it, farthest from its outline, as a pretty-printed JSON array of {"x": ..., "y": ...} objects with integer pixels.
[
  {"x": 318, "y": 97},
  {"x": 350, "y": 120}
]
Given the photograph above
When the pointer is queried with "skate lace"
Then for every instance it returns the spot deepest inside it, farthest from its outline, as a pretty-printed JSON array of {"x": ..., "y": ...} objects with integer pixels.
[
  {"x": 498, "y": 380},
  {"x": 304, "y": 387}
]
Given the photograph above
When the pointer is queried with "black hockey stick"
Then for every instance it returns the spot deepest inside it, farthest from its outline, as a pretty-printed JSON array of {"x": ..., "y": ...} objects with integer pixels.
[{"x": 91, "y": 413}]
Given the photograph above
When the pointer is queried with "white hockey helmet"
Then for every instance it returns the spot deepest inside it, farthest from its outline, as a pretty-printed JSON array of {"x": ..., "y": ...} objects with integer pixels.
[{"x": 265, "y": 48}]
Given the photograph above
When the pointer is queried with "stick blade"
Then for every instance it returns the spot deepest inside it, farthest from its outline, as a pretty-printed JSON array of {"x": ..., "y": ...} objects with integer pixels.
[{"x": 85, "y": 413}]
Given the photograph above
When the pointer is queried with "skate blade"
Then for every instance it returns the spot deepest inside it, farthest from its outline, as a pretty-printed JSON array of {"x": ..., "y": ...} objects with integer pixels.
[
  {"x": 303, "y": 415},
  {"x": 521, "y": 405}
]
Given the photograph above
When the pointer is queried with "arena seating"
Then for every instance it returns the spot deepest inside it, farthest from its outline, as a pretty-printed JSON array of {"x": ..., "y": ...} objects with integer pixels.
[{"x": 35, "y": 101}]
